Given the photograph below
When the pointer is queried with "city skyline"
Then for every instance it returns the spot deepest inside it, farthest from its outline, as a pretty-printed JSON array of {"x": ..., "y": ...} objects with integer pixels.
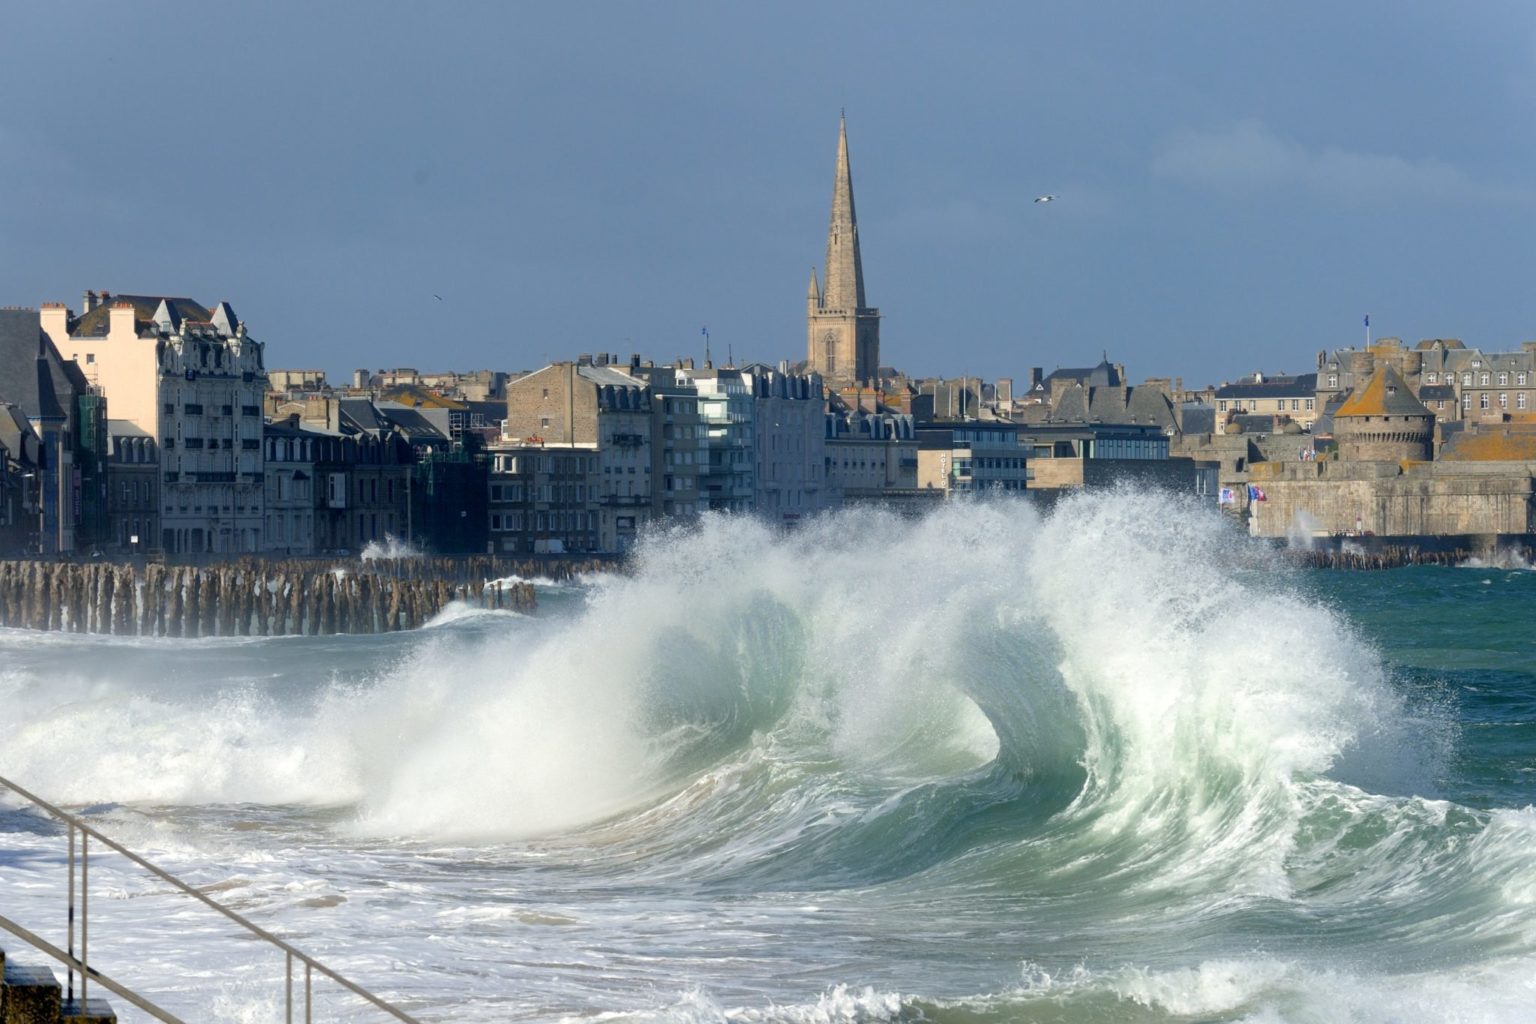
[{"x": 489, "y": 187}]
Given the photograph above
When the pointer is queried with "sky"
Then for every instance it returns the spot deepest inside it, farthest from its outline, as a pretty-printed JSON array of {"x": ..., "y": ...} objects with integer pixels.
[{"x": 461, "y": 185}]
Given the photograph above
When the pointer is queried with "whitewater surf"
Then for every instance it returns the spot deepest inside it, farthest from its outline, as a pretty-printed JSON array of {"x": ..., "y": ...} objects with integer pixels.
[{"x": 1110, "y": 763}]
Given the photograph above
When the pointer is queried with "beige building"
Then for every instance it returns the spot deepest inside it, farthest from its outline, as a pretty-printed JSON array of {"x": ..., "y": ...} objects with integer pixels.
[
  {"x": 601, "y": 408},
  {"x": 843, "y": 331},
  {"x": 192, "y": 380}
]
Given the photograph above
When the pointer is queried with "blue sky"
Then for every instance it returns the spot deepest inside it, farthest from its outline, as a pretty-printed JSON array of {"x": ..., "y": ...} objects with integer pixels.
[{"x": 1238, "y": 186}]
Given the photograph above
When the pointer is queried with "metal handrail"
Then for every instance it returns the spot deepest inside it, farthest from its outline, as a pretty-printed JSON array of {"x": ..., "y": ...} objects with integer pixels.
[{"x": 87, "y": 972}]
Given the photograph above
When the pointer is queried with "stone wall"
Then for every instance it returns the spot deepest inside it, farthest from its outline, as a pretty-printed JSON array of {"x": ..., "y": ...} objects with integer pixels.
[{"x": 1388, "y": 500}]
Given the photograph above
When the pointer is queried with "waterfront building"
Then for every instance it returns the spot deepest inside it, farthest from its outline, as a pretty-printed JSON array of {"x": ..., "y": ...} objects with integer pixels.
[
  {"x": 192, "y": 379},
  {"x": 727, "y": 415},
  {"x": 842, "y": 329},
  {"x": 1066, "y": 456},
  {"x": 971, "y": 458},
  {"x": 291, "y": 482},
  {"x": 790, "y": 444},
  {"x": 606, "y": 408},
  {"x": 678, "y": 450},
  {"x": 545, "y": 499},
  {"x": 873, "y": 457},
  {"x": 68, "y": 416},
  {"x": 133, "y": 489},
  {"x": 21, "y": 455}
]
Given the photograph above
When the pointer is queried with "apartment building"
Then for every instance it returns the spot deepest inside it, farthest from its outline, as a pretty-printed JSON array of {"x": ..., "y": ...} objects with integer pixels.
[{"x": 192, "y": 379}]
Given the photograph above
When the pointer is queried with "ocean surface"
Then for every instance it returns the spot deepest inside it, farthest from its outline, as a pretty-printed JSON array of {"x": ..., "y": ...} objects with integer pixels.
[{"x": 1114, "y": 763}]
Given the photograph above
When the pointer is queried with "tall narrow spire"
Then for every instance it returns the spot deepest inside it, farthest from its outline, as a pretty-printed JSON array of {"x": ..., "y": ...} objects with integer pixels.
[{"x": 844, "y": 269}]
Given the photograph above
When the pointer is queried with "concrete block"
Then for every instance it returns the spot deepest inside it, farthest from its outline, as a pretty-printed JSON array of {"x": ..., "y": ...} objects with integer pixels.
[
  {"x": 29, "y": 995},
  {"x": 91, "y": 1011}
]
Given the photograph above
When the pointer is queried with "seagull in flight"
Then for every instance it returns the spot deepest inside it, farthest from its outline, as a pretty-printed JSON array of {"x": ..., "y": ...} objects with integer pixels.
[
  {"x": 438, "y": 297},
  {"x": 1045, "y": 199}
]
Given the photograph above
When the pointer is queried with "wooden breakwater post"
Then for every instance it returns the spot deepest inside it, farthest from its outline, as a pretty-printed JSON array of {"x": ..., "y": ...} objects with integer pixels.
[{"x": 249, "y": 598}]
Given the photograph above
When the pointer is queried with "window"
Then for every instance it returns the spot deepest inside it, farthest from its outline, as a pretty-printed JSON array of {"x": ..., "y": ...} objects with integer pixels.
[
  {"x": 1466, "y": 401},
  {"x": 1311, "y": 404},
  {"x": 1520, "y": 400},
  {"x": 1466, "y": 380},
  {"x": 544, "y": 422},
  {"x": 1429, "y": 378},
  {"x": 1333, "y": 380},
  {"x": 1482, "y": 400},
  {"x": 1503, "y": 400},
  {"x": 1520, "y": 378},
  {"x": 1503, "y": 380},
  {"x": 1482, "y": 379}
]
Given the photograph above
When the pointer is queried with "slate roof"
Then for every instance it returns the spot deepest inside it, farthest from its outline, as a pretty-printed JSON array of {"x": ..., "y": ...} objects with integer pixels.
[
  {"x": 95, "y": 323},
  {"x": 1102, "y": 375},
  {"x": 1437, "y": 393},
  {"x": 17, "y": 436},
  {"x": 44, "y": 387},
  {"x": 1278, "y": 387}
]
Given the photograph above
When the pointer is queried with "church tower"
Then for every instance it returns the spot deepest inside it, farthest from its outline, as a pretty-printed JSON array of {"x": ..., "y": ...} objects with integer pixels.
[{"x": 843, "y": 334}]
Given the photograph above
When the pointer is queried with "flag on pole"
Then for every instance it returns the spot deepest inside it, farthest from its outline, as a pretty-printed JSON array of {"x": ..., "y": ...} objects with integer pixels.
[
  {"x": 1367, "y": 319},
  {"x": 1256, "y": 493},
  {"x": 1226, "y": 497}
]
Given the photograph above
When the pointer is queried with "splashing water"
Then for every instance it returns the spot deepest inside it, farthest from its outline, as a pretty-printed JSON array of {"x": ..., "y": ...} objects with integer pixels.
[{"x": 1109, "y": 763}]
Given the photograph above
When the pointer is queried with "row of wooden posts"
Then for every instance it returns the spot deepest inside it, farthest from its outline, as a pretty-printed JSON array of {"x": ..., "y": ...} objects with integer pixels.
[
  {"x": 249, "y": 598},
  {"x": 1396, "y": 557}
]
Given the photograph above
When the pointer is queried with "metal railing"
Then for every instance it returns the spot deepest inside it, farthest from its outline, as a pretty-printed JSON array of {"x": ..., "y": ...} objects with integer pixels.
[{"x": 81, "y": 965}]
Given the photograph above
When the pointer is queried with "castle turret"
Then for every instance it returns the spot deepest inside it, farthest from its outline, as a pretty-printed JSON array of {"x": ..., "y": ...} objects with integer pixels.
[{"x": 1383, "y": 421}]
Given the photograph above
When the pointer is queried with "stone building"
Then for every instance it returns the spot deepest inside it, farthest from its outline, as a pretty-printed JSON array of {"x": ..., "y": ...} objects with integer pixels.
[
  {"x": 1293, "y": 398},
  {"x": 790, "y": 453},
  {"x": 1383, "y": 481},
  {"x": 192, "y": 379},
  {"x": 873, "y": 457},
  {"x": 545, "y": 499},
  {"x": 1383, "y": 421},
  {"x": 842, "y": 330},
  {"x": 607, "y": 409}
]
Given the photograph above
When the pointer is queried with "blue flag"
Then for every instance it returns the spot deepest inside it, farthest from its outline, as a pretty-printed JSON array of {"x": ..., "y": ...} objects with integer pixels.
[{"x": 1367, "y": 319}]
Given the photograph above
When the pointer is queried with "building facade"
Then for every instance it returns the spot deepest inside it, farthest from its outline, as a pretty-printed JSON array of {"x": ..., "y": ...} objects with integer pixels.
[{"x": 193, "y": 380}]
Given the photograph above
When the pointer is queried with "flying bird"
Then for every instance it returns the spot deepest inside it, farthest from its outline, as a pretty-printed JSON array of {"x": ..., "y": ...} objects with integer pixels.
[
  {"x": 438, "y": 297},
  {"x": 1045, "y": 199}
]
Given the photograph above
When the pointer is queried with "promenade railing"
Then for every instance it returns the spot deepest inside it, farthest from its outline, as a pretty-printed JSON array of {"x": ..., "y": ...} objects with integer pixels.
[{"x": 88, "y": 975}]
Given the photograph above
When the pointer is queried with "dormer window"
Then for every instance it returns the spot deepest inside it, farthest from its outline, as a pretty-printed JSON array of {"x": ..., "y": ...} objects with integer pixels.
[{"x": 1430, "y": 377}]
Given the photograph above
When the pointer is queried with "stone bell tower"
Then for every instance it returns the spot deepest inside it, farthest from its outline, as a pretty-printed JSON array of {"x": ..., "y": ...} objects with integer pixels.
[{"x": 843, "y": 332}]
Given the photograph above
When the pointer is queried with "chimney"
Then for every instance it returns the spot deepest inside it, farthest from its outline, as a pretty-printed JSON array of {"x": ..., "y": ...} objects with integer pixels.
[
  {"x": 120, "y": 319},
  {"x": 54, "y": 318},
  {"x": 1036, "y": 375},
  {"x": 634, "y": 360},
  {"x": 90, "y": 302},
  {"x": 602, "y": 359}
]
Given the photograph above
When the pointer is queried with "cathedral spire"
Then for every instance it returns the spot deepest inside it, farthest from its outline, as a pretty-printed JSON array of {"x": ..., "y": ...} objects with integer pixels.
[{"x": 844, "y": 270}]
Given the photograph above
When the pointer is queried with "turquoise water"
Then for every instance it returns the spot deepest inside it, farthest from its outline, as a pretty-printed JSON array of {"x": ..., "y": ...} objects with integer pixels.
[{"x": 1115, "y": 763}]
